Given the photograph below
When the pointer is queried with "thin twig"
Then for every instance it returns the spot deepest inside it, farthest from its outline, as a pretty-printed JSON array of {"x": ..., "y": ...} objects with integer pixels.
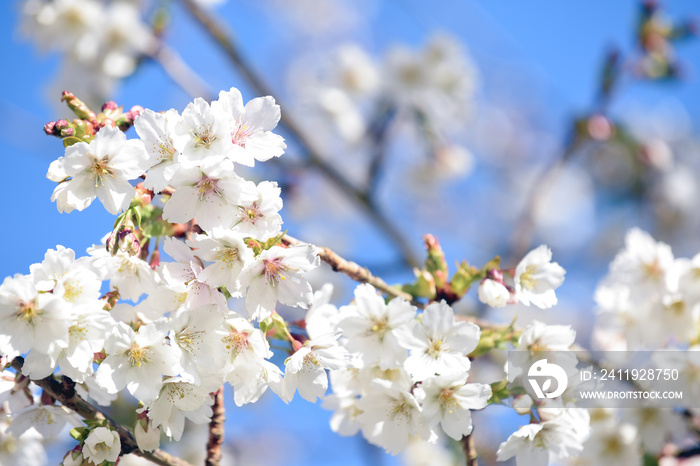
[
  {"x": 353, "y": 270},
  {"x": 470, "y": 454},
  {"x": 315, "y": 156},
  {"x": 64, "y": 392},
  {"x": 378, "y": 137},
  {"x": 216, "y": 430}
]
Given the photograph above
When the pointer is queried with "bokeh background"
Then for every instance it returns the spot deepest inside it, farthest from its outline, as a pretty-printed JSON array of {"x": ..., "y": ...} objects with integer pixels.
[{"x": 535, "y": 68}]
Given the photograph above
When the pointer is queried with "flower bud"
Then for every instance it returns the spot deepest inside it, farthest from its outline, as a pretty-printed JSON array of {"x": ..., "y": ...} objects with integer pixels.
[
  {"x": 109, "y": 105},
  {"x": 144, "y": 195},
  {"x": 522, "y": 404},
  {"x": 147, "y": 436},
  {"x": 49, "y": 128},
  {"x": 493, "y": 293},
  {"x": 74, "y": 457},
  {"x": 79, "y": 108},
  {"x": 103, "y": 444},
  {"x": 67, "y": 132}
]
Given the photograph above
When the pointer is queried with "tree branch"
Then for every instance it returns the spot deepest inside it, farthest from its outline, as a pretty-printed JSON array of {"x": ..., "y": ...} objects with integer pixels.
[
  {"x": 353, "y": 270},
  {"x": 64, "y": 392},
  {"x": 216, "y": 430},
  {"x": 470, "y": 454},
  {"x": 316, "y": 159}
]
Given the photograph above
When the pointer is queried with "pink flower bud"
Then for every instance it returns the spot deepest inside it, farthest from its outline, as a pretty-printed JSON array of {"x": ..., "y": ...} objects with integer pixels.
[
  {"x": 49, "y": 128},
  {"x": 109, "y": 105}
]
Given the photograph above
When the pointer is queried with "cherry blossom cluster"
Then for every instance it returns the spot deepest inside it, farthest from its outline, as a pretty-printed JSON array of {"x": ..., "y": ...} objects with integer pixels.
[
  {"x": 407, "y": 373},
  {"x": 177, "y": 340},
  {"x": 648, "y": 297},
  {"x": 171, "y": 332},
  {"x": 557, "y": 429},
  {"x": 648, "y": 301},
  {"x": 100, "y": 42},
  {"x": 357, "y": 97}
]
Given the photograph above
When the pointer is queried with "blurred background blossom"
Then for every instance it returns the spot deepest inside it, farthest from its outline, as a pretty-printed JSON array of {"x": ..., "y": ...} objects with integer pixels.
[{"x": 494, "y": 126}]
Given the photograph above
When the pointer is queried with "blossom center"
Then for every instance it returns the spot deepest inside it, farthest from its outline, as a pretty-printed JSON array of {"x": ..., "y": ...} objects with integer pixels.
[
  {"x": 274, "y": 270},
  {"x": 241, "y": 135},
  {"x": 28, "y": 312},
  {"x": 138, "y": 355},
  {"x": 101, "y": 169},
  {"x": 72, "y": 290},
  {"x": 78, "y": 331},
  {"x": 447, "y": 400},
  {"x": 379, "y": 327},
  {"x": 207, "y": 186},
  {"x": 527, "y": 279},
  {"x": 228, "y": 256},
  {"x": 400, "y": 411},
  {"x": 166, "y": 150},
  {"x": 250, "y": 213},
  {"x": 188, "y": 338},
  {"x": 204, "y": 137},
  {"x": 236, "y": 341},
  {"x": 435, "y": 348}
]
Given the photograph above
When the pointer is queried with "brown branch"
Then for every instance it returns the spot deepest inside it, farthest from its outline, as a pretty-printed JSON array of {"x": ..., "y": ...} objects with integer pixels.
[
  {"x": 353, "y": 270},
  {"x": 216, "y": 430},
  {"x": 316, "y": 159},
  {"x": 470, "y": 454},
  {"x": 64, "y": 392}
]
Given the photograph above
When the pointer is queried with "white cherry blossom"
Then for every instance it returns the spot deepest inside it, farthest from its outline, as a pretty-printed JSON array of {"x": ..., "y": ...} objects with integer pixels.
[
  {"x": 390, "y": 416},
  {"x": 371, "y": 327},
  {"x": 137, "y": 361},
  {"x": 305, "y": 369},
  {"x": 157, "y": 131},
  {"x": 102, "y": 444},
  {"x": 250, "y": 127},
  {"x": 258, "y": 216},
  {"x": 210, "y": 192},
  {"x": 229, "y": 254},
  {"x": 439, "y": 344},
  {"x": 205, "y": 131},
  {"x": 179, "y": 399},
  {"x": 277, "y": 274},
  {"x": 493, "y": 293},
  {"x": 449, "y": 400},
  {"x": 101, "y": 168},
  {"x": 536, "y": 278}
]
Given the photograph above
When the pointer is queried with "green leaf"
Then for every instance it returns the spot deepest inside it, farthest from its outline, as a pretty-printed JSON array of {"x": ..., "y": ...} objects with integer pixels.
[
  {"x": 79, "y": 433},
  {"x": 499, "y": 392},
  {"x": 423, "y": 287},
  {"x": 492, "y": 264},
  {"x": 154, "y": 229},
  {"x": 70, "y": 140},
  {"x": 464, "y": 277},
  {"x": 273, "y": 241}
]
